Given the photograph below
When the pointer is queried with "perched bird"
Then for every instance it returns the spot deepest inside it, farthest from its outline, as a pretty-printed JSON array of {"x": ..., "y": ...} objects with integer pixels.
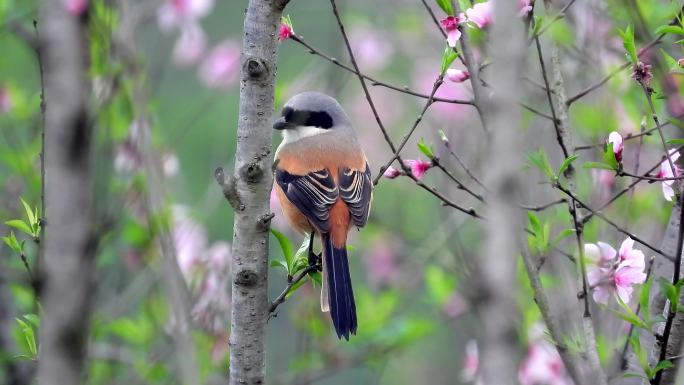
[{"x": 323, "y": 182}]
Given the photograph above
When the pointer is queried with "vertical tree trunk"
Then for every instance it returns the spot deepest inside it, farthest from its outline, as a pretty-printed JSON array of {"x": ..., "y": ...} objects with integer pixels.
[
  {"x": 496, "y": 304},
  {"x": 67, "y": 282},
  {"x": 249, "y": 191}
]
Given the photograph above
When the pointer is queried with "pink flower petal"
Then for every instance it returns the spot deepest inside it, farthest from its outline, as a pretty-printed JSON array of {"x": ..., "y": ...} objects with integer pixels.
[
  {"x": 481, "y": 14},
  {"x": 190, "y": 45},
  {"x": 76, "y": 7},
  {"x": 456, "y": 75},
  {"x": 391, "y": 173},
  {"x": 221, "y": 68}
]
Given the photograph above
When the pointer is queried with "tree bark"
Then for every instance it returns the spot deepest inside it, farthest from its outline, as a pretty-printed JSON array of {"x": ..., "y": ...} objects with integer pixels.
[
  {"x": 67, "y": 269},
  {"x": 496, "y": 273},
  {"x": 249, "y": 190}
]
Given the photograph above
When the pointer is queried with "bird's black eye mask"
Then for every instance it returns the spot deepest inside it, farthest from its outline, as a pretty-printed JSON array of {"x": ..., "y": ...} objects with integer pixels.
[{"x": 319, "y": 119}]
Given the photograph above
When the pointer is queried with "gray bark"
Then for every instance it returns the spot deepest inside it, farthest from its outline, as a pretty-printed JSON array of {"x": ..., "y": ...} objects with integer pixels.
[
  {"x": 249, "y": 192},
  {"x": 67, "y": 271},
  {"x": 495, "y": 268}
]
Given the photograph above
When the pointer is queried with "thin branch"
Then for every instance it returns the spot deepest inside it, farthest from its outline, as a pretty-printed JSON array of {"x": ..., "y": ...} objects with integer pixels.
[
  {"x": 556, "y": 123},
  {"x": 291, "y": 283},
  {"x": 375, "y": 82},
  {"x": 543, "y": 207},
  {"x": 605, "y": 80},
  {"x": 461, "y": 186},
  {"x": 560, "y": 15},
  {"x": 627, "y": 137},
  {"x": 465, "y": 168}
]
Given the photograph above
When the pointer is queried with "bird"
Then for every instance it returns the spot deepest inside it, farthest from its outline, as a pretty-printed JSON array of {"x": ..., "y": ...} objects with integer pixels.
[{"x": 323, "y": 183}]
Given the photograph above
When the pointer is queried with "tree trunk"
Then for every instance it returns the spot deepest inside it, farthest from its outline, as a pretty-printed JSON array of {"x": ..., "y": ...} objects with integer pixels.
[
  {"x": 66, "y": 274},
  {"x": 249, "y": 191}
]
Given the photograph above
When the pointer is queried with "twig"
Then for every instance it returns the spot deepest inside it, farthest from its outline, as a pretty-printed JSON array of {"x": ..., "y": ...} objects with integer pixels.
[
  {"x": 283, "y": 296},
  {"x": 375, "y": 82},
  {"x": 543, "y": 207},
  {"x": 648, "y": 178},
  {"x": 654, "y": 116},
  {"x": 43, "y": 215},
  {"x": 612, "y": 224},
  {"x": 556, "y": 123},
  {"x": 560, "y": 15},
  {"x": 625, "y": 138},
  {"x": 405, "y": 138},
  {"x": 605, "y": 80},
  {"x": 459, "y": 184},
  {"x": 465, "y": 168}
]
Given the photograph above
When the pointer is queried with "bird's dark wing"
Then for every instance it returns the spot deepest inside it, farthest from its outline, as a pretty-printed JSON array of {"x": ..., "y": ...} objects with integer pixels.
[
  {"x": 356, "y": 190},
  {"x": 313, "y": 194}
]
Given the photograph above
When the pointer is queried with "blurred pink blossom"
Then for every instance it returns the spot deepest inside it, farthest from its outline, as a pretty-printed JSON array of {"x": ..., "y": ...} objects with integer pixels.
[
  {"x": 610, "y": 272},
  {"x": 481, "y": 14},
  {"x": 525, "y": 7},
  {"x": 372, "y": 49},
  {"x": 543, "y": 366},
  {"x": 424, "y": 79},
  {"x": 391, "y": 173},
  {"x": 190, "y": 45},
  {"x": 5, "y": 100},
  {"x": 381, "y": 263},
  {"x": 471, "y": 362},
  {"x": 221, "y": 68},
  {"x": 190, "y": 241},
  {"x": 450, "y": 25},
  {"x": 666, "y": 172},
  {"x": 616, "y": 140},
  {"x": 170, "y": 164},
  {"x": 455, "y": 305},
  {"x": 418, "y": 167},
  {"x": 177, "y": 13},
  {"x": 456, "y": 75},
  {"x": 76, "y": 7}
]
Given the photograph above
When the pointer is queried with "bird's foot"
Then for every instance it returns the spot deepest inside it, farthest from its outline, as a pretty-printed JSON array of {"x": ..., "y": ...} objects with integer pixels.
[{"x": 315, "y": 261}]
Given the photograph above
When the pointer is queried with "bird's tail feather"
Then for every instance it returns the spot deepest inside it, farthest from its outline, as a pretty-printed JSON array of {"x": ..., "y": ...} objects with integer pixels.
[{"x": 340, "y": 293}]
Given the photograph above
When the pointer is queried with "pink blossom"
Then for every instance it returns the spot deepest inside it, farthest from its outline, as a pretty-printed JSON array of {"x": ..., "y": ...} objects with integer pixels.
[
  {"x": 418, "y": 167},
  {"x": 642, "y": 73},
  {"x": 471, "y": 362},
  {"x": 391, "y": 173},
  {"x": 285, "y": 31},
  {"x": 446, "y": 113},
  {"x": 543, "y": 366},
  {"x": 127, "y": 159},
  {"x": 616, "y": 140},
  {"x": 176, "y": 13},
  {"x": 611, "y": 272},
  {"x": 190, "y": 45},
  {"x": 481, "y": 14},
  {"x": 221, "y": 67},
  {"x": 5, "y": 100},
  {"x": 450, "y": 24},
  {"x": 76, "y": 7},
  {"x": 456, "y": 75},
  {"x": 525, "y": 7},
  {"x": 666, "y": 172}
]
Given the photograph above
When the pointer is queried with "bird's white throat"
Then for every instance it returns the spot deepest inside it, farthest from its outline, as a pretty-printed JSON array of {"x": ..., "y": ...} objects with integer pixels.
[{"x": 301, "y": 132}]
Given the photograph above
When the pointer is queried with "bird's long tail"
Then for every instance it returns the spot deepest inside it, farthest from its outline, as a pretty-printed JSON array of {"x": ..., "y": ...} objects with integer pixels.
[{"x": 340, "y": 293}]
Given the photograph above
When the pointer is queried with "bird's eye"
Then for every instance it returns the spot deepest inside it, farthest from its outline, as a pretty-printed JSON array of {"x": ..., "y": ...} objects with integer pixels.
[{"x": 287, "y": 114}]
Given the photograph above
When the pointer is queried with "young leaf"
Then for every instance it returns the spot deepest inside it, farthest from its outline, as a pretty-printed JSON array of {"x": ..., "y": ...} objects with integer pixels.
[
  {"x": 32, "y": 217},
  {"x": 427, "y": 150},
  {"x": 670, "y": 291},
  {"x": 566, "y": 163},
  {"x": 628, "y": 43},
  {"x": 609, "y": 157},
  {"x": 662, "y": 365},
  {"x": 563, "y": 234},
  {"x": 29, "y": 336},
  {"x": 20, "y": 225},
  {"x": 279, "y": 263},
  {"x": 539, "y": 159},
  {"x": 446, "y": 6},
  {"x": 597, "y": 165},
  {"x": 448, "y": 57},
  {"x": 677, "y": 142},
  {"x": 285, "y": 247},
  {"x": 671, "y": 29},
  {"x": 13, "y": 244}
]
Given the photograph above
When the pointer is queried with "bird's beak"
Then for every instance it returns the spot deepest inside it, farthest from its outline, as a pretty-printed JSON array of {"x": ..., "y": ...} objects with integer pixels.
[{"x": 281, "y": 124}]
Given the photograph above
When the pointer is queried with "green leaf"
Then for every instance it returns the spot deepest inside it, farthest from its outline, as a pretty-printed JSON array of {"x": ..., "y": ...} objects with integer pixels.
[
  {"x": 297, "y": 286},
  {"x": 671, "y": 62},
  {"x": 662, "y": 365},
  {"x": 628, "y": 43},
  {"x": 563, "y": 234},
  {"x": 598, "y": 165},
  {"x": 566, "y": 163},
  {"x": 644, "y": 299},
  {"x": 29, "y": 336},
  {"x": 539, "y": 159},
  {"x": 285, "y": 247},
  {"x": 448, "y": 57},
  {"x": 13, "y": 244},
  {"x": 671, "y": 29},
  {"x": 670, "y": 291},
  {"x": 427, "y": 150},
  {"x": 538, "y": 21},
  {"x": 32, "y": 217},
  {"x": 440, "y": 286},
  {"x": 279, "y": 263},
  {"x": 677, "y": 142},
  {"x": 609, "y": 157},
  {"x": 628, "y": 316},
  {"x": 446, "y": 6},
  {"x": 20, "y": 225}
]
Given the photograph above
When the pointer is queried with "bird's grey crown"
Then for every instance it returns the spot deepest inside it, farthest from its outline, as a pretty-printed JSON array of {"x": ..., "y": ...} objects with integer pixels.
[{"x": 312, "y": 101}]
